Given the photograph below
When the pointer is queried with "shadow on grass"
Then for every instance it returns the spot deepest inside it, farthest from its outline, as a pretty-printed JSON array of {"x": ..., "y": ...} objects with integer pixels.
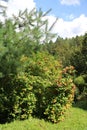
[{"x": 81, "y": 104}]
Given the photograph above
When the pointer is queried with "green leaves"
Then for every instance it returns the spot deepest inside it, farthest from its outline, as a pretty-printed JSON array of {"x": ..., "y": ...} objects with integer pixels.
[
  {"x": 32, "y": 82},
  {"x": 52, "y": 85}
]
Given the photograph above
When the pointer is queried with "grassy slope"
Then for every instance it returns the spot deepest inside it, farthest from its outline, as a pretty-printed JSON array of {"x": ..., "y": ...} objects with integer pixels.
[{"x": 76, "y": 119}]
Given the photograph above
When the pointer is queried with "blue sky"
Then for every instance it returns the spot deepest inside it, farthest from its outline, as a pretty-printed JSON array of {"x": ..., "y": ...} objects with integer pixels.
[
  {"x": 72, "y": 14},
  {"x": 65, "y": 10}
]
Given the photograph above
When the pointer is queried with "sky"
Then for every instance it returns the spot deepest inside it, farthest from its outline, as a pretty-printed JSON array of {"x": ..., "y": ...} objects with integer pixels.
[{"x": 71, "y": 14}]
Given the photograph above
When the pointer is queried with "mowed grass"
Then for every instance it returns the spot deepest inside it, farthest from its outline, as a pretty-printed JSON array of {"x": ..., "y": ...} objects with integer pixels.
[{"x": 76, "y": 119}]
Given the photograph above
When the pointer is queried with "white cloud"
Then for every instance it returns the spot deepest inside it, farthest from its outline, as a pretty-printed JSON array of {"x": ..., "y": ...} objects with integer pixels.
[
  {"x": 70, "y": 2},
  {"x": 3, "y": 3},
  {"x": 77, "y": 26},
  {"x": 15, "y": 5}
]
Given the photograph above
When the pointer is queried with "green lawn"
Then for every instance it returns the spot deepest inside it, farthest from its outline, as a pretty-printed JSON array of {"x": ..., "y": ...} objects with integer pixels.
[{"x": 76, "y": 119}]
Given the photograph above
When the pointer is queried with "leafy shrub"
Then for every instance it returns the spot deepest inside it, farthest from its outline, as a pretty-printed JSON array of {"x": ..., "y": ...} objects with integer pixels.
[
  {"x": 52, "y": 85},
  {"x": 60, "y": 95},
  {"x": 17, "y": 101},
  {"x": 24, "y": 97},
  {"x": 79, "y": 81},
  {"x": 81, "y": 90},
  {"x": 42, "y": 88}
]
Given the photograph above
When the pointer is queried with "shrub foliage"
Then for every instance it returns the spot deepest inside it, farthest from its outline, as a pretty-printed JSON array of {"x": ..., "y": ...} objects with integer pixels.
[
  {"x": 32, "y": 83},
  {"x": 43, "y": 88}
]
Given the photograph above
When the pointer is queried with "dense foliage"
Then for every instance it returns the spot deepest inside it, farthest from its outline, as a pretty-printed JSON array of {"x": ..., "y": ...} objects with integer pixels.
[
  {"x": 42, "y": 88},
  {"x": 72, "y": 52},
  {"x": 34, "y": 77}
]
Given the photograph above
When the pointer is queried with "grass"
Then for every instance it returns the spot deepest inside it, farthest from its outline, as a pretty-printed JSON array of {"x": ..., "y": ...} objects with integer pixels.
[{"x": 76, "y": 119}]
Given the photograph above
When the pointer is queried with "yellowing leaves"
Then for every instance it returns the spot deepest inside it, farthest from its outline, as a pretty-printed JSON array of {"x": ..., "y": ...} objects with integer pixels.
[{"x": 24, "y": 58}]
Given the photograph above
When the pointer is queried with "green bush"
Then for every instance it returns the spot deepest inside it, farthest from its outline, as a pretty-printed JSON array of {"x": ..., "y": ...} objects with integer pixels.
[
  {"x": 60, "y": 95},
  {"x": 42, "y": 88},
  {"x": 25, "y": 99},
  {"x": 79, "y": 81},
  {"x": 52, "y": 85},
  {"x": 81, "y": 87},
  {"x": 17, "y": 101}
]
